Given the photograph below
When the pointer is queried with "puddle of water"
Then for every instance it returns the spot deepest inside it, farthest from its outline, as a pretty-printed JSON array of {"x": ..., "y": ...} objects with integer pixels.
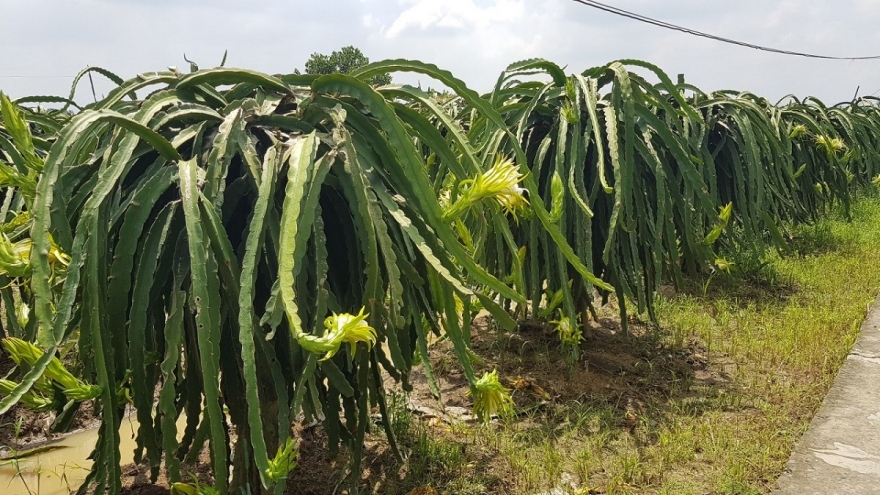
[{"x": 63, "y": 469}]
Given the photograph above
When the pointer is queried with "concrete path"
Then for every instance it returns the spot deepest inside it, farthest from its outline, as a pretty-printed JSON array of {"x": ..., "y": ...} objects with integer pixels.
[{"x": 840, "y": 453}]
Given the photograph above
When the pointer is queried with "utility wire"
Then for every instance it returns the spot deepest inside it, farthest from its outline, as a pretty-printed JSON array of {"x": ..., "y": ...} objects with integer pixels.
[{"x": 655, "y": 22}]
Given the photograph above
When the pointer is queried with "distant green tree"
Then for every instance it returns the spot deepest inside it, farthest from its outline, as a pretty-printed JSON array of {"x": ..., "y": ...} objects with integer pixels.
[{"x": 347, "y": 59}]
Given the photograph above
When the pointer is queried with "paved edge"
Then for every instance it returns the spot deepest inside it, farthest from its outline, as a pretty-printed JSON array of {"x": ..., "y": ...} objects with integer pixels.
[{"x": 840, "y": 452}]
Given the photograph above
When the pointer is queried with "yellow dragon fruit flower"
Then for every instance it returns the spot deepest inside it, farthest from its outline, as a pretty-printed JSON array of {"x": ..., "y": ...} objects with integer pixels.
[
  {"x": 557, "y": 195},
  {"x": 798, "y": 131},
  {"x": 501, "y": 183},
  {"x": 837, "y": 144},
  {"x": 570, "y": 336},
  {"x": 491, "y": 397},
  {"x": 73, "y": 388},
  {"x": 723, "y": 265},
  {"x": 195, "y": 488},
  {"x": 14, "y": 258},
  {"x": 352, "y": 329},
  {"x": 569, "y": 331},
  {"x": 32, "y": 399},
  {"x": 832, "y": 146},
  {"x": 341, "y": 328},
  {"x": 283, "y": 462}
]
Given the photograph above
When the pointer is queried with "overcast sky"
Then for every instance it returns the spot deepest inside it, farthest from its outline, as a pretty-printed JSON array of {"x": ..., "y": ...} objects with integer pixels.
[{"x": 45, "y": 40}]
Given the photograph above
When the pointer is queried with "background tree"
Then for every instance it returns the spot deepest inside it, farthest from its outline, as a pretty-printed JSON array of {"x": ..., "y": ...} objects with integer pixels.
[{"x": 343, "y": 61}]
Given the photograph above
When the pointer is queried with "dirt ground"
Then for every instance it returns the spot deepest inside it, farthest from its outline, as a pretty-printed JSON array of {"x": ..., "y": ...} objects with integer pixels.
[{"x": 625, "y": 370}]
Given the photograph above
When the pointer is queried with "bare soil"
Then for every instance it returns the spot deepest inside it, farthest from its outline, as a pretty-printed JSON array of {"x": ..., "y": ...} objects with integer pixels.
[
  {"x": 625, "y": 370},
  {"x": 628, "y": 371}
]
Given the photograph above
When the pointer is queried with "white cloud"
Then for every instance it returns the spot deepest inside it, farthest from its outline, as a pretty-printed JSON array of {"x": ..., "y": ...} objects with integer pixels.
[
  {"x": 458, "y": 14},
  {"x": 474, "y": 39}
]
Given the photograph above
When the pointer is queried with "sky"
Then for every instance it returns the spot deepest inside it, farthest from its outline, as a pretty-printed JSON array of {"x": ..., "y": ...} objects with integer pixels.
[{"x": 45, "y": 42}]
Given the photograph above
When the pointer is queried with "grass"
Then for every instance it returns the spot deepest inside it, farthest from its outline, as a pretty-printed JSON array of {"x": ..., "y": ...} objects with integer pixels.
[{"x": 711, "y": 402}]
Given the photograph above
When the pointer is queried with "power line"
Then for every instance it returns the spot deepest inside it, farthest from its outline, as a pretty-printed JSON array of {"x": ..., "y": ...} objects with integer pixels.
[{"x": 655, "y": 22}]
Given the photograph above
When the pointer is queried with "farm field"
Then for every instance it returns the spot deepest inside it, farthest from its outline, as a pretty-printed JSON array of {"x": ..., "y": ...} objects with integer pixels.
[
  {"x": 609, "y": 280},
  {"x": 712, "y": 402}
]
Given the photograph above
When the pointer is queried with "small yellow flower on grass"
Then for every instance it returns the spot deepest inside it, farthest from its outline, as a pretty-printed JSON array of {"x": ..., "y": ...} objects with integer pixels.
[{"x": 491, "y": 398}]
